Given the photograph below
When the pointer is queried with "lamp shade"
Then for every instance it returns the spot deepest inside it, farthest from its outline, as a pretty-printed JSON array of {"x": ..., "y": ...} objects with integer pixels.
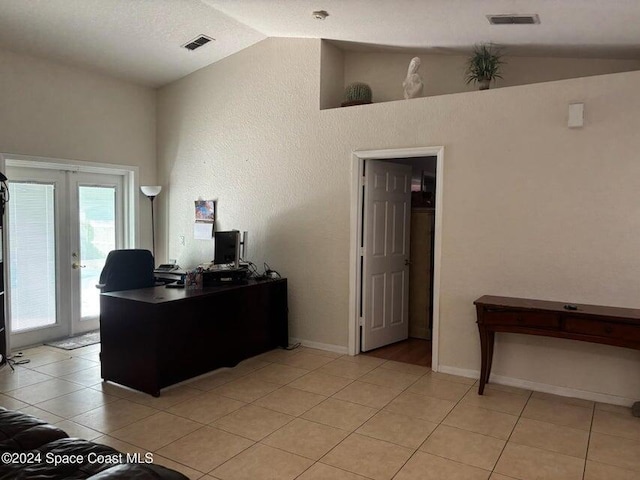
[{"x": 151, "y": 190}]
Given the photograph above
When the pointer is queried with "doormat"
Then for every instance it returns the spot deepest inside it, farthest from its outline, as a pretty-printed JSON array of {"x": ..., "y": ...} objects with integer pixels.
[{"x": 72, "y": 343}]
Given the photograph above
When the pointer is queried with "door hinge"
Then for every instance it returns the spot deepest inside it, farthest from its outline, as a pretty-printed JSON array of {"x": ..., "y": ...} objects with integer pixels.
[
  {"x": 361, "y": 251},
  {"x": 363, "y": 180},
  {"x": 361, "y": 322}
]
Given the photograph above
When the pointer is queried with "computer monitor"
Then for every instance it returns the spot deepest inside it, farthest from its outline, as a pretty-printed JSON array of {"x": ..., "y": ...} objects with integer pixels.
[{"x": 227, "y": 247}]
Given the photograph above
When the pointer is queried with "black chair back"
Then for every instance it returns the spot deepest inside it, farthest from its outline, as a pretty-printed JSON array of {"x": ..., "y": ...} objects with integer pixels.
[{"x": 127, "y": 270}]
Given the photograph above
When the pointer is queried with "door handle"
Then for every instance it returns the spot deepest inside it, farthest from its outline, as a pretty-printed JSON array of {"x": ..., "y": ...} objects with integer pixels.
[
  {"x": 76, "y": 265},
  {"x": 407, "y": 262}
]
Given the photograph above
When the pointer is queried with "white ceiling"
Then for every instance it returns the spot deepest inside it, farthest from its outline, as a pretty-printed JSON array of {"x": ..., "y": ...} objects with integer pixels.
[{"x": 140, "y": 40}]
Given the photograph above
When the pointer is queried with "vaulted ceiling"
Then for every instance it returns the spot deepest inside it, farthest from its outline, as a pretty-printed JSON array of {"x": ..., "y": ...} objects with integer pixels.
[{"x": 141, "y": 40}]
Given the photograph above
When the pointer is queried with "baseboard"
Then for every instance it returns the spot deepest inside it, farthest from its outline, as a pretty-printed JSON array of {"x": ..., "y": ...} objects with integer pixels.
[
  {"x": 461, "y": 372},
  {"x": 541, "y": 387},
  {"x": 320, "y": 346}
]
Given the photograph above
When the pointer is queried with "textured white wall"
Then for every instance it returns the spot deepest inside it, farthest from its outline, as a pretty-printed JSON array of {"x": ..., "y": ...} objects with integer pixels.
[
  {"x": 51, "y": 110},
  {"x": 444, "y": 74},
  {"x": 331, "y": 76},
  {"x": 531, "y": 208}
]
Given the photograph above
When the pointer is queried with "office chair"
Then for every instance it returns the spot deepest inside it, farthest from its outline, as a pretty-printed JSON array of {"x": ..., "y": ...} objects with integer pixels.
[{"x": 126, "y": 270}]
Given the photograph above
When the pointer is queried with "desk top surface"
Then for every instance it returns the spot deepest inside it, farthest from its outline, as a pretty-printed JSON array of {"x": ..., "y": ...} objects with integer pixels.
[
  {"x": 162, "y": 294},
  {"x": 545, "y": 305}
]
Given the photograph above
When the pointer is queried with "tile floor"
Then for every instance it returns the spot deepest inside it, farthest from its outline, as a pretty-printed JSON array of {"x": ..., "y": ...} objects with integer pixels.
[{"x": 313, "y": 415}]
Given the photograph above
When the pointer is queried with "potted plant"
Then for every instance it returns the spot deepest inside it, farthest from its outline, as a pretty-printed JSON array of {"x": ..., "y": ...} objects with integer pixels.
[
  {"x": 357, "y": 93},
  {"x": 484, "y": 65}
]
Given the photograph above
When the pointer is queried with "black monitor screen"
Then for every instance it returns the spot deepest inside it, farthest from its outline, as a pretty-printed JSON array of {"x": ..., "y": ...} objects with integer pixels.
[{"x": 227, "y": 247}]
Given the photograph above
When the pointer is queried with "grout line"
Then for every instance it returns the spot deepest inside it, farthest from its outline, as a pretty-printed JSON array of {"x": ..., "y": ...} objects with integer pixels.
[
  {"x": 558, "y": 425},
  {"x": 511, "y": 433},
  {"x": 176, "y": 461},
  {"x": 52, "y": 398},
  {"x": 154, "y": 452},
  {"x": 438, "y": 424},
  {"x": 349, "y": 433},
  {"x": 586, "y": 453}
]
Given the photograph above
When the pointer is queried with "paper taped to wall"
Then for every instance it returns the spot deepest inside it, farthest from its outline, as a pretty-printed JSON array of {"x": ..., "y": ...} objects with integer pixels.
[{"x": 202, "y": 231}]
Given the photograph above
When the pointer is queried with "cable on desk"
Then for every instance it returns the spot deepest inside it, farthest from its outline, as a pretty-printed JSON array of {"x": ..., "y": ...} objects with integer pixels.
[{"x": 253, "y": 270}]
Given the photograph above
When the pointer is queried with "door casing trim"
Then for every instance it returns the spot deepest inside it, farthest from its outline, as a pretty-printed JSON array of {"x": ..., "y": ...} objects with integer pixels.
[{"x": 357, "y": 168}]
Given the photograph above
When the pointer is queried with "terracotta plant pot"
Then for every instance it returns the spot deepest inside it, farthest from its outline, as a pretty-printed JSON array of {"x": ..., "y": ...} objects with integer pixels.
[{"x": 484, "y": 84}]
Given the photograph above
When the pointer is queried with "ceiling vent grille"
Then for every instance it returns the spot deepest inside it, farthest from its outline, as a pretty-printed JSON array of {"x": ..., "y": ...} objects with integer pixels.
[
  {"x": 514, "y": 19},
  {"x": 198, "y": 42}
]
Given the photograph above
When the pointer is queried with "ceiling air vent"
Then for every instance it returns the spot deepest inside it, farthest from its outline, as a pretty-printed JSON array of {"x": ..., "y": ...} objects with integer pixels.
[
  {"x": 513, "y": 19},
  {"x": 198, "y": 42}
]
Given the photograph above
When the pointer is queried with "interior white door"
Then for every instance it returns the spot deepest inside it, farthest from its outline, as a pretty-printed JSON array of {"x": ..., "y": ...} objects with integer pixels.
[
  {"x": 385, "y": 266},
  {"x": 61, "y": 225}
]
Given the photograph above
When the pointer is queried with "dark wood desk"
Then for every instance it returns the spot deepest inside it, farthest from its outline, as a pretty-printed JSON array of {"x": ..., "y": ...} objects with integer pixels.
[
  {"x": 588, "y": 323},
  {"x": 154, "y": 337}
]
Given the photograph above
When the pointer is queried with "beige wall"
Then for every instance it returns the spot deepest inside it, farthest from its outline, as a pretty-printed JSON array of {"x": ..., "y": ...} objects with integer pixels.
[
  {"x": 55, "y": 111},
  {"x": 531, "y": 208},
  {"x": 444, "y": 74},
  {"x": 420, "y": 274},
  {"x": 331, "y": 76}
]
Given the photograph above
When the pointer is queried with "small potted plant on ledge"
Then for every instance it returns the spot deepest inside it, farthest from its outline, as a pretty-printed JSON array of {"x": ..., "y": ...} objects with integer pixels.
[
  {"x": 484, "y": 66},
  {"x": 357, "y": 93}
]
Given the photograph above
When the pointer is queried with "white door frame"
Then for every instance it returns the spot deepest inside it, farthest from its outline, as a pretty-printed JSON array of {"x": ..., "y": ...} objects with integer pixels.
[
  {"x": 357, "y": 168},
  {"x": 130, "y": 180}
]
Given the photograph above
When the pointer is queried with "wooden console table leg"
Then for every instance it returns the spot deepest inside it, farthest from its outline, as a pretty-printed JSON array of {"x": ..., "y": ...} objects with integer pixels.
[
  {"x": 484, "y": 359},
  {"x": 490, "y": 337},
  {"x": 486, "y": 347}
]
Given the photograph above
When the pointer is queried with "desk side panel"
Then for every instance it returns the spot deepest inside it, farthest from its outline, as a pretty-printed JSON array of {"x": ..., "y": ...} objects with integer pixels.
[{"x": 127, "y": 335}]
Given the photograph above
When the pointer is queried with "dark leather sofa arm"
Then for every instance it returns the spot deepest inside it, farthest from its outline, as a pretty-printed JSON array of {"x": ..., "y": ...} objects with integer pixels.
[{"x": 22, "y": 433}]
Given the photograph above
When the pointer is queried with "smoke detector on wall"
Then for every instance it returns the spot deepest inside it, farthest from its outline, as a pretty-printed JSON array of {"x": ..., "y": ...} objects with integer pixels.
[
  {"x": 197, "y": 42},
  {"x": 320, "y": 14},
  {"x": 514, "y": 19}
]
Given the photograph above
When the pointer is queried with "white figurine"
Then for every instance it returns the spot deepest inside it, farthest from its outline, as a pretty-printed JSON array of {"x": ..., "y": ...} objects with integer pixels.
[{"x": 413, "y": 83}]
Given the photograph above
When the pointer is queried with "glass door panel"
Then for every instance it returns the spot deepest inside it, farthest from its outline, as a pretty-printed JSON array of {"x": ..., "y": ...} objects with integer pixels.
[
  {"x": 33, "y": 255},
  {"x": 97, "y": 229}
]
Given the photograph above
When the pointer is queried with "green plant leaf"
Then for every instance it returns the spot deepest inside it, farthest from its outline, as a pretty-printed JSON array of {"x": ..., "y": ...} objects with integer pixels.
[{"x": 484, "y": 64}]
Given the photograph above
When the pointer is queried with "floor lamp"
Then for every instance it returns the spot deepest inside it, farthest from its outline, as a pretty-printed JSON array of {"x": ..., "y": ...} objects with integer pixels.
[{"x": 152, "y": 191}]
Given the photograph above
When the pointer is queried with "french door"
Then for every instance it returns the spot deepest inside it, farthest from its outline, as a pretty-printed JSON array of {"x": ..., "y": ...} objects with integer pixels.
[{"x": 61, "y": 226}]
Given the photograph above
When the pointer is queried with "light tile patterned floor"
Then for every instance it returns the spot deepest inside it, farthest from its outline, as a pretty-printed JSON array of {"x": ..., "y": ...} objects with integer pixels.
[{"x": 313, "y": 415}]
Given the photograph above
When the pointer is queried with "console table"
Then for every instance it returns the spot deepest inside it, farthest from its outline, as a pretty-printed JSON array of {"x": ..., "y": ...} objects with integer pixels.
[
  {"x": 589, "y": 323},
  {"x": 154, "y": 337}
]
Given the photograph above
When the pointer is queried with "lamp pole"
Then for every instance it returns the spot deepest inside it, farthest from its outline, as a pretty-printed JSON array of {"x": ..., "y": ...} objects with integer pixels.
[
  {"x": 152, "y": 191},
  {"x": 153, "y": 229}
]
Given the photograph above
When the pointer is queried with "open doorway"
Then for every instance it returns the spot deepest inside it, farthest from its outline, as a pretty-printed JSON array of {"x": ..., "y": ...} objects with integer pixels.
[
  {"x": 395, "y": 295},
  {"x": 416, "y": 348}
]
